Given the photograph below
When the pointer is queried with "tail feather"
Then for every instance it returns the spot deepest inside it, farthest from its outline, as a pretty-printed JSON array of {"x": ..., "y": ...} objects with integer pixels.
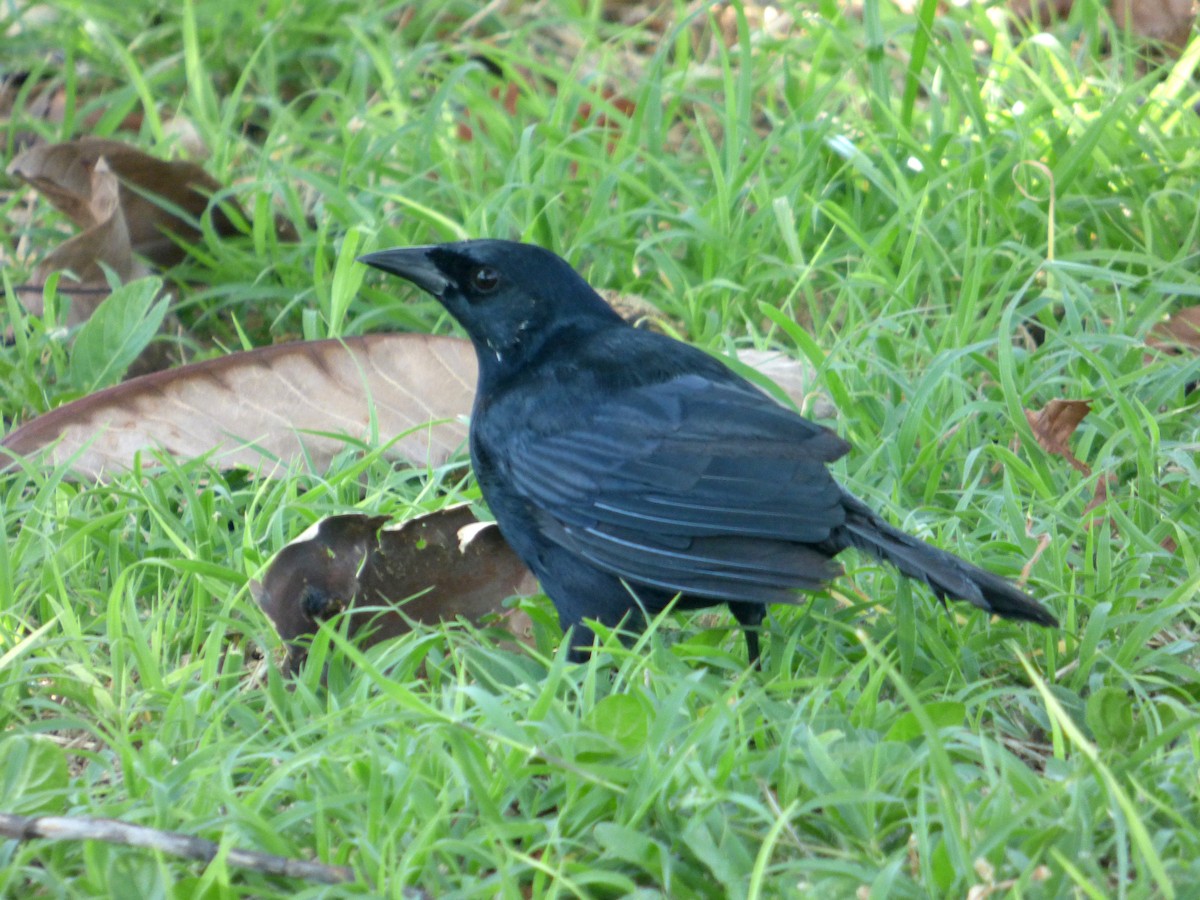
[{"x": 949, "y": 577}]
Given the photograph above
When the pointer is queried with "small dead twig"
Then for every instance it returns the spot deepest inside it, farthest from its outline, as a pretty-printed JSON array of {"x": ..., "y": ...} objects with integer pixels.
[{"x": 66, "y": 828}]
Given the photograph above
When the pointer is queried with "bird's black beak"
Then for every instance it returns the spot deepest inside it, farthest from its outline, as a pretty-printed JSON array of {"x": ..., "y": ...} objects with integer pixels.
[{"x": 411, "y": 263}]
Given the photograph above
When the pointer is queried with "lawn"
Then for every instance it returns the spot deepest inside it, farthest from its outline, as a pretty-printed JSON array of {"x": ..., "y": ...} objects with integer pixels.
[{"x": 954, "y": 219}]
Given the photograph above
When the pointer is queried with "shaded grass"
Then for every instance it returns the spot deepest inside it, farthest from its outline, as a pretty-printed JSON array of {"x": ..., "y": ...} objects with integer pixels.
[{"x": 798, "y": 192}]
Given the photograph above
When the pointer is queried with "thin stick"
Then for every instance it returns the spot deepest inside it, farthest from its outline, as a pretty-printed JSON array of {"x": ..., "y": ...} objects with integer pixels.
[{"x": 62, "y": 828}]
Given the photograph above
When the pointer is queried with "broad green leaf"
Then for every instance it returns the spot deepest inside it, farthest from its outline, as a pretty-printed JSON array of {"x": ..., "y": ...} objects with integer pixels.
[
  {"x": 120, "y": 329},
  {"x": 1109, "y": 715},
  {"x": 625, "y": 718},
  {"x": 33, "y": 775},
  {"x": 943, "y": 713}
]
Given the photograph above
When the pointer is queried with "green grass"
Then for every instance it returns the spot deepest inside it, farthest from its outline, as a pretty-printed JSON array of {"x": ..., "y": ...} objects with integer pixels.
[{"x": 862, "y": 193}]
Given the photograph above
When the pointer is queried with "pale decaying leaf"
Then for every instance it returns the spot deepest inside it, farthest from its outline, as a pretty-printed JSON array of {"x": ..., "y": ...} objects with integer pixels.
[
  {"x": 797, "y": 379},
  {"x": 1055, "y": 423},
  {"x": 385, "y": 579},
  {"x": 268, "y": 408},
  {"x": 273, "y": 407}
]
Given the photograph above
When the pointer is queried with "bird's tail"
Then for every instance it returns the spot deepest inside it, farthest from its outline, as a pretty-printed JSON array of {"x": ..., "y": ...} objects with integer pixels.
[{"x": 949, "y": 577}]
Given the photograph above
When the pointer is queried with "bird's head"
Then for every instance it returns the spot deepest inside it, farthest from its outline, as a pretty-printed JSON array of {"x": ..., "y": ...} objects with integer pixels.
[{"x": 510, "y": 298}]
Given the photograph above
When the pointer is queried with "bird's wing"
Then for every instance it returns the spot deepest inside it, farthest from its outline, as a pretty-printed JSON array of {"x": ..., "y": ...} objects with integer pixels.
[{"x": 691, "y": 485}]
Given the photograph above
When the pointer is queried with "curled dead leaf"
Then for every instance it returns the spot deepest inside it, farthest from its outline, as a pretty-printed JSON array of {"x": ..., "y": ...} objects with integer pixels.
[
  {"x": 148, "y": 185},
  {"x": 385, "y": 579},
  {"x": 160, "y": 199},
  {"x": 104, "y": 243},
  {"x": 1099, "y": 498},
  {"x": 1055, "y": 423}
]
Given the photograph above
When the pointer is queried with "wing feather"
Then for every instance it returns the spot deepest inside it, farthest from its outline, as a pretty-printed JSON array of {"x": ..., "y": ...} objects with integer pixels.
[{"x": 694, "y": 486}]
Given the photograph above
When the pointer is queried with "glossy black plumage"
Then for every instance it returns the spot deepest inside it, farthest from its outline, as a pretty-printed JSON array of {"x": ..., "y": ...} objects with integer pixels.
[{"x": 619, "y": 461}]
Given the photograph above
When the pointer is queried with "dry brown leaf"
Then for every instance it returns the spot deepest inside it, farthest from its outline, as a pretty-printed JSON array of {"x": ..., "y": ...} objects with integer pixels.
[
  {"x": 104, "y": 242},
  {"x": 1103, "y": 483},
  {"x": 1168, "y": 21},
  {"x": 430, "y": 569},
  {"x": 62, "y": 173},
  {"x": 99, "y": 184},
  {"x": 1054, "y": 424},
  {"x": 1181, "y": 331},
  {"x": 276, "y": 406},
  {"x": 272, "y": 407}
]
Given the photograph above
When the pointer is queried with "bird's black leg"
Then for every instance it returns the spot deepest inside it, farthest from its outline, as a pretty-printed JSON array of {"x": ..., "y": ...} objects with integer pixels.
[
  {"x": 752, "y": 648},
  {"x": 750, "y": 617}
]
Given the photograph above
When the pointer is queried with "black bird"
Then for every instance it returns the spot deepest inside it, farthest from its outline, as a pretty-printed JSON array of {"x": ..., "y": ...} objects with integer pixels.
[{"x": 627, "y": 468}]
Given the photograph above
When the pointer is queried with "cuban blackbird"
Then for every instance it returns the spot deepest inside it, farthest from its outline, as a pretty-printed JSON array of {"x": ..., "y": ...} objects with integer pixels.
[{"x": 628, "y": 469}]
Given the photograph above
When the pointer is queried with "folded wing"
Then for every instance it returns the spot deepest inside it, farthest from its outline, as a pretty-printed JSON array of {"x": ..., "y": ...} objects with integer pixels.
[{"x": 706, "y": 488}]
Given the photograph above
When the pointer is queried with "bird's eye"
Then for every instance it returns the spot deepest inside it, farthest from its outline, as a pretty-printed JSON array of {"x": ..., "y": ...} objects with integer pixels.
[{"x": 485, "y": 279}]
